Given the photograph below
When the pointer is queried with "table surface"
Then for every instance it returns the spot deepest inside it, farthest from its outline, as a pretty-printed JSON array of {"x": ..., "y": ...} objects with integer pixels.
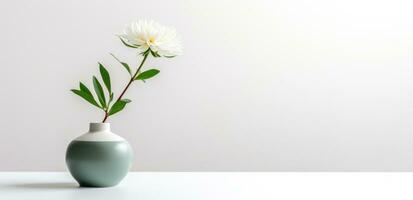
[{"x": 213, "y": 185}]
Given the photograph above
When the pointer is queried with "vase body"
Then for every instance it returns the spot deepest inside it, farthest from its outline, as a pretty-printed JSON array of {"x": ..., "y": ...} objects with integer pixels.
[{"x": 99, "y": 158}]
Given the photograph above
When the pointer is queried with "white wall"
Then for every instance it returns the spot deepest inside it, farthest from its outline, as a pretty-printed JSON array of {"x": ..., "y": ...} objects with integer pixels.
[{"x": 263, "y": 85}]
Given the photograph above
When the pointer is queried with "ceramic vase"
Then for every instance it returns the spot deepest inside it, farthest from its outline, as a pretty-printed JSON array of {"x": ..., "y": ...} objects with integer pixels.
[{"x": 99, "y": 158}]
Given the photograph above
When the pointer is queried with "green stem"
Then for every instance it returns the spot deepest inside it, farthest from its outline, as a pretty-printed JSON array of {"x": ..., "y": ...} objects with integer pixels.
[
  {"x": 106, "y": 116},
  {"x": 127, "y": 86}
]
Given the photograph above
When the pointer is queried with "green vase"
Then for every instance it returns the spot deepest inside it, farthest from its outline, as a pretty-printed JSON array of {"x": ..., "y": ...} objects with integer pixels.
[{"x": 99, "y": 158}]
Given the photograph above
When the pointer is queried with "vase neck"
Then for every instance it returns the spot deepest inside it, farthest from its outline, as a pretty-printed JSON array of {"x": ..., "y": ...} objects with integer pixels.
[{"x": 99, "y": 127}]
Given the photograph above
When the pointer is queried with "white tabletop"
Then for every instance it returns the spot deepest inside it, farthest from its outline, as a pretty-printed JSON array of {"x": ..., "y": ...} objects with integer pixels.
[{"x": 212, "y": 185}]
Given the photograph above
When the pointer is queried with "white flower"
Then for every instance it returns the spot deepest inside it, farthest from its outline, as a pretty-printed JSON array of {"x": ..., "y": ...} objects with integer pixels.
[{"x": 144, "y": 35}]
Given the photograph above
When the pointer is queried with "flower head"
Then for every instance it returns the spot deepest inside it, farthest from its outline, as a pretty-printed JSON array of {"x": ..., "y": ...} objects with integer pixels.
[{"x": 149, "y": 36}]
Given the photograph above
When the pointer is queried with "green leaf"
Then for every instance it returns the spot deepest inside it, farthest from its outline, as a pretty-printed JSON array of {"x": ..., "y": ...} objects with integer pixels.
[
  {"x": 126, "y": 100},
  {"x": 147, "y": 74},
  {"x": 99, "y": 92},
  {"x": 118, "y": 106},
  {"x": 154, "y": 54},
  {"x": 125, "y": 65},
  {"x": 105, "y": 77},
  {"x": 126, "y": 44},
  {"x": 86, "y": 96},
  {"x": 111, "y": 97},
  {"x": 84, "y": 88}
]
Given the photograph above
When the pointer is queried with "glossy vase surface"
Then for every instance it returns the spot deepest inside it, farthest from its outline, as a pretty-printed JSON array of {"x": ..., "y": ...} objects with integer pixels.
[{"x": 99, "y": 158}]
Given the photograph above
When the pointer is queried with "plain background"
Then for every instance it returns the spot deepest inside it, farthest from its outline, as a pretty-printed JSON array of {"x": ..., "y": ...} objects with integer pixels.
[{"x": 286, "y": 85}]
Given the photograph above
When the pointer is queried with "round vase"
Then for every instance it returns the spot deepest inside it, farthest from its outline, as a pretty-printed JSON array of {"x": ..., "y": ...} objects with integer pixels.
[{"x": 99, "y": 158}]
